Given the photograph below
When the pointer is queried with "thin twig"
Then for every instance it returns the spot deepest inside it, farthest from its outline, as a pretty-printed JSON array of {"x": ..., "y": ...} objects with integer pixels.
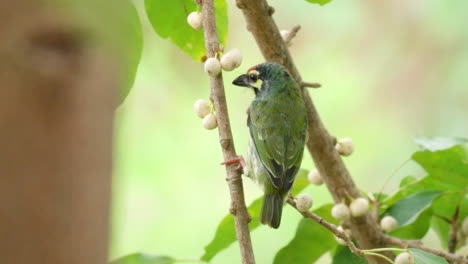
[
  {"x": 311, "y": 84},
  {"x": 328, "y": 226},
  {"x": 384, "y": 249},
  {"x": 375, "y": 208},
  {"x": 452, "y": 242},
  {"x": 292, "y": 33},
  {"x": 380, "y": 256},
  {"x": 320, "y": 144},
  {"x": 446, "y": 219},
  {"x": 452, "y": 258},
  {"x": 234, "y": 177}
]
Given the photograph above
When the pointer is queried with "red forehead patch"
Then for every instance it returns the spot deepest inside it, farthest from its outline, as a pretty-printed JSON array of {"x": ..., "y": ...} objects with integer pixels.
[{"x": 252, "y": 68}]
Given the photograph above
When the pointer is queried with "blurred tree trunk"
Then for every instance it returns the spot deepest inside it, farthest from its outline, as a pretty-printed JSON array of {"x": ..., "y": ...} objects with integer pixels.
[{"x": 56, "y": 110}]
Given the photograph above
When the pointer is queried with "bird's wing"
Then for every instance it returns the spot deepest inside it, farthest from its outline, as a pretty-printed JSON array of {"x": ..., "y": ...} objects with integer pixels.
[{"x": 279, "y": 141}]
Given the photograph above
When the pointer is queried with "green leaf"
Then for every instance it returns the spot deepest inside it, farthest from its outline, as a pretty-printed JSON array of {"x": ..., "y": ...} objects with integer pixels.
[
  {"x": 447, "y": 169},
  {"x": 442, "y": 229},
  {"x": 320, "y": 2},
  {"x": 413, "y": 215},
  {"x": 407, "y": 180},
  {"x": 415, "y": 230},
  {"x": 423, "y": 257},
  {"x": 117, "y": 31},
  {"x": 140, "y": 258},
  {"x": 310, "y": 242},
  {"x": 408, "y": 188},
  {"x": 344, "y": 256},
  {"x": 445, "y": 206},
  {"x": 169, "y": 20},
  {"x": 407, "y": 210},
  {"x": 132, "y": 38},
  {"x": 226, "y": 233},
  {"x": 439, "y": 143}
]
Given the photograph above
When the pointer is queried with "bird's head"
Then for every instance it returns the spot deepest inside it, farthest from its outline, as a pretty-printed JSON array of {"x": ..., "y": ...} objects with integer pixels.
[{"x": 266, "y": 78}]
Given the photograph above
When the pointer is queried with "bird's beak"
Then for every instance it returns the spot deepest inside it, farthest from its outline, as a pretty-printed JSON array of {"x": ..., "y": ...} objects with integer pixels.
[{"x": 241, "y": 81}]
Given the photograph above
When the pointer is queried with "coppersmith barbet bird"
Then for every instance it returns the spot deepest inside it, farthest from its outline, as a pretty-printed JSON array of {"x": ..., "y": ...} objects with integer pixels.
[{"x": 277, "y": 121}]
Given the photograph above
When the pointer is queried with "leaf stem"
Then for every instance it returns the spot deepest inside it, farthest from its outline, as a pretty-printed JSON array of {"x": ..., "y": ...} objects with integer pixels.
[
  {"x": 379, "y": 255},
  {"x": 384, "y": 249},
  {"x": 394, "y": 172}
]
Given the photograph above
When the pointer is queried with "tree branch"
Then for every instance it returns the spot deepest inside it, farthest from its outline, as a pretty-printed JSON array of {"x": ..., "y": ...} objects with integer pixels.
[
  {"x": 234, "y": 177},
  {"x": 452, "y": 243},
  {"x": 388, "y": 239},
  {"x": 320, "y": 144},
  {"x": 328, "y": 226},
  {"x": 452, "y": 258},
  {"x": 292, "y": 33},
  {"x": 311, "y": 84}
]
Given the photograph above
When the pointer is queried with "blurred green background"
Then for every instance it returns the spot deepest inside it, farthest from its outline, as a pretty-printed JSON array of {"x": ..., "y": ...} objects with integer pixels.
[{"x": 390, "y": 70}]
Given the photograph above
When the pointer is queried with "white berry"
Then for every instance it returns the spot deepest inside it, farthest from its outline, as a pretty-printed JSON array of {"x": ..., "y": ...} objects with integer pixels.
[
  {"x": 388, "y": 223},
  {"x": 404, "y": 258},
  {"x": 346, "y": 231},
  {"x": 340, "y": 211},
  {"x": 314, "y": 177},
  {"x": 304, "y": 202},
  {"x": 212, "y": 67},
  {"x": 345, "y": 146},
  {"x": 340, "y": 241},
  {"x": 465, "y": 226},
  {"x": 202, "y": 108},
  {"x": 461, "y": 238},
  {"x": 209, "y": 122},
  {"x": 359, "y": 207},
  {"x": 231, "y": 60},
  {"x": 195, "y": 20}
]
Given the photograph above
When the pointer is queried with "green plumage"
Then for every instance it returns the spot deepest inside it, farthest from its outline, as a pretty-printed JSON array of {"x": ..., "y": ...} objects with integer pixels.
[{"x": 278, "y": 125}]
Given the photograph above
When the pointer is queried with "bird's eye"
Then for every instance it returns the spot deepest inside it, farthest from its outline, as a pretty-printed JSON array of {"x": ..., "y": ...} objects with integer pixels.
[{"x": 253, "y": 77}]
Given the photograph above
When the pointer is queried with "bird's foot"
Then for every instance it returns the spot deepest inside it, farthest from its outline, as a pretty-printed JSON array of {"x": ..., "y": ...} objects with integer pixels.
[{"x": 239, "y": 159}]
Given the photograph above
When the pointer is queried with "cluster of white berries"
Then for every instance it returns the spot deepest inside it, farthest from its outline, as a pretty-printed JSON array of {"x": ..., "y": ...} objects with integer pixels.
[
  {"x": 342, "y": 212},
  {"x": 203, "y": 110},
  {"x": 345, "y": 146},
  {"x": 229, "y": 61},
  {"x": 358, "y": 207}
]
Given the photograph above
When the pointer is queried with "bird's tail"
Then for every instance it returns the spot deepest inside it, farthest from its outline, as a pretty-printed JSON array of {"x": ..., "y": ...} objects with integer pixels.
[{"x": 272, "y": 208}]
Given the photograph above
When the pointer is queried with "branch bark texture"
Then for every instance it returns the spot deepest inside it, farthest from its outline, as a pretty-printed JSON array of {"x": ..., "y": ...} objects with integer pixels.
[
  {"x": 320, "y": 144},
  {"x": 234, "y": 176}
]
